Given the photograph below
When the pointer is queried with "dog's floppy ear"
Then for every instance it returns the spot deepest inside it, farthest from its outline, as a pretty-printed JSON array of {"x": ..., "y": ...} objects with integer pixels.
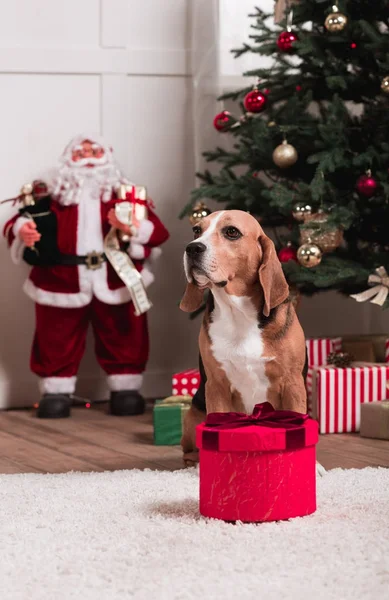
[
  {"x": 192, "y": 298},
  {"x": 271, "y": 277}
]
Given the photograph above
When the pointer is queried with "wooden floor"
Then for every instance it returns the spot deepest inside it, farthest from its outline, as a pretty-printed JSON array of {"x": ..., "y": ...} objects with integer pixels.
[{"x": 91, "y": 440}]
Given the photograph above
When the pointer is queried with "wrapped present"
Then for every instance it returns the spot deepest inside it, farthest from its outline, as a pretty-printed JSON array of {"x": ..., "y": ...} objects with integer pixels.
[
  {"x": 367, "y": 348},
  {"x": 186, "y": 383},
  {"x": 375, "y": 420},
  {"x": 318, "y": 350},
  {"x": 259, "y": 467},
  {"x": 168, "y": 417},
  {"x": 335, "y": 394}
]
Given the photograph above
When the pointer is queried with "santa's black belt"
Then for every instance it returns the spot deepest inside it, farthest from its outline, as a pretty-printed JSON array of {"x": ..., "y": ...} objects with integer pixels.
[{"x": 93, "y": 260}]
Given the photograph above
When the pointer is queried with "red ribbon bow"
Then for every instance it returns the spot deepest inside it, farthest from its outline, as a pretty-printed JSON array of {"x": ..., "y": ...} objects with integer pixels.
[{"x": 263, "y": 415}]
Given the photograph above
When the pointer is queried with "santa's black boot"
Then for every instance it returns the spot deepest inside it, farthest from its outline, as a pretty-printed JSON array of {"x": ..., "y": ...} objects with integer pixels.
[
  {"x": 54, "y": 406},
  {"x": 127, "y": 403}
]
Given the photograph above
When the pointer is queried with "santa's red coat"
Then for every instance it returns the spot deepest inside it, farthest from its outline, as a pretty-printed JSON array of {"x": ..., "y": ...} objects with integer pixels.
[{"x": 64, "y": 286}]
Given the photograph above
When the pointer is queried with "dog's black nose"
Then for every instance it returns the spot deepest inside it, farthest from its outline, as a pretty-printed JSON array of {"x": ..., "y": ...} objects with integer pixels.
[{"x": 195, "y": 248}]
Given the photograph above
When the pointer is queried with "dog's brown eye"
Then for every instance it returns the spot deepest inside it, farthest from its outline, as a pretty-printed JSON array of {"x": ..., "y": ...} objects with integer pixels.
[
  {"x": 232, "y": 233},
  {"x": 196, "y": 231}
]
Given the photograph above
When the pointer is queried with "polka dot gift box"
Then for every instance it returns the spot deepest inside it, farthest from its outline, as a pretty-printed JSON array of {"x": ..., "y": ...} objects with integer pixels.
[{"x": 186, "y": 383}]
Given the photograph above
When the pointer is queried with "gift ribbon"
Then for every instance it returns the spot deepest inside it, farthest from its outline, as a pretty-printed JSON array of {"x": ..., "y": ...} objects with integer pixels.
[
  {"x": 183, "y": 402},
  {"x": 176, "y": 400},
  {"x": 377, "y": 294},
  {"x": 123, "y": 264},
  {"x": 263, "y": 415}
]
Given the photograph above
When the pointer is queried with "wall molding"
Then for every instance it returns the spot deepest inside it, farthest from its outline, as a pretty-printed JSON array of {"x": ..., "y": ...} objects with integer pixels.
[{"x": 94, "y": 61}]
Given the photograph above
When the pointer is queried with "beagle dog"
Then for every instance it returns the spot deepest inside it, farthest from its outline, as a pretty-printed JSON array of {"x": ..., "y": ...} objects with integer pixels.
[{"x": 252, "y": 346}]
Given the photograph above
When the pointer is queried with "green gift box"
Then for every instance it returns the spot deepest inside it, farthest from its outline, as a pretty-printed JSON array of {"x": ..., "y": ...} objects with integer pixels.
[{"x": 168, "y": 417}]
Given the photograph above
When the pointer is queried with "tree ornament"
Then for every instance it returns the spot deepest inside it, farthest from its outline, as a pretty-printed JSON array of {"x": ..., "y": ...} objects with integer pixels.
[
  {"x": 367, "y": 185},
  {"x": 328, "y": 239},
  {"x": 286, "y": 40},
  {"x": 317, "y": 231},
  {"x": 309, "y": 255},
  {"x": 222, "y": 121},
  {"x": 335, "y": 21},
  {"x": 288, "y": 253},
  {"x": 255, "y": 101},
  {"x": 199, "y": 211},
  {"x": 385, "y": 85},
  {"x": 342, "y": 360},
  {"x": 301, "y": 211},
  {"x": 285, "y": 155}
]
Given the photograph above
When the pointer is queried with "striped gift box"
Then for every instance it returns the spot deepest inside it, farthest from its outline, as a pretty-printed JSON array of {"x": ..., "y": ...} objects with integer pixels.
[
  {"x": 318, "y": 350},
  {"x": 335, "y": 395}
]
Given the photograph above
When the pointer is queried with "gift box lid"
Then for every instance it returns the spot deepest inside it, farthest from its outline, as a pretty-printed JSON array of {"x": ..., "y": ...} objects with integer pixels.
[{"x": 266, "y": 430}]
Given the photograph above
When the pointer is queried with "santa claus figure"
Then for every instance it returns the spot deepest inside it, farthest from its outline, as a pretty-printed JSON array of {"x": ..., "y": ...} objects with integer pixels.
[{"x": 73, "y": 283}]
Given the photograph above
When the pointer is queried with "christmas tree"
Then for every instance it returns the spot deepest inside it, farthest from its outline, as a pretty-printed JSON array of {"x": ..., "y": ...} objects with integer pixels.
[{"x": 310, "y": 144}]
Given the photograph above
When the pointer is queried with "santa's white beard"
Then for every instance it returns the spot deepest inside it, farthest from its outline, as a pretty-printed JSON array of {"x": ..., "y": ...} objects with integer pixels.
[{"x": 71, "y": 179}]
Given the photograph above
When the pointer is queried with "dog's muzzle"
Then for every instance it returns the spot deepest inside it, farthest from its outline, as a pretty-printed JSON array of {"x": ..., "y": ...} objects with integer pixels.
[{"x": 194, "y": 252}]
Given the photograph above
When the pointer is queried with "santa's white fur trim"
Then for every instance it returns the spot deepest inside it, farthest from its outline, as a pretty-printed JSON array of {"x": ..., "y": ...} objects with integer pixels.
[
  {"x": 118, "y": 383},
  {"x": 17, "y": 247},
  {"x": 20, "y": 221},
  {"x": 136, "y": 251},
  {"x": 154, "y": 255},
  {"x": 61, "y": 300},
  {"x": 144, "y": 232},
  {"x": 100, "y": 289},
  {"x": 57, "y": 385},
  {"x": 147, "y": 276}
]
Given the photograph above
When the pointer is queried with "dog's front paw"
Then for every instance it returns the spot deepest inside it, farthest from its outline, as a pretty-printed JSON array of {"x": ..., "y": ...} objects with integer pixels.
[{"x": 191, "y": 459}]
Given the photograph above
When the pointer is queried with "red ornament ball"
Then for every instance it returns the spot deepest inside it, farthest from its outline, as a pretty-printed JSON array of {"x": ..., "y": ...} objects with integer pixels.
[
  {"x": 255, "y": 101},
  {"x": 298, "y": 88},
  {"x": 353, "y": 45},
  {"x": 222, "y": 120},
  {"x": 286, "y": 254},
  {"x": 367, "y": 185},
  {"x": 285, "y": 41}
]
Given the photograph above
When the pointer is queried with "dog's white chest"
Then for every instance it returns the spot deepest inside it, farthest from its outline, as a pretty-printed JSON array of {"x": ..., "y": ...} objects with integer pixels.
[{"x": 238, "y": 346}]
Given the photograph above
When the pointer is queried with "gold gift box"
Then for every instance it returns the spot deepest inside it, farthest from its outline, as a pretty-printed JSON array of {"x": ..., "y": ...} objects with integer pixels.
[{"x": 375, "y": 420}]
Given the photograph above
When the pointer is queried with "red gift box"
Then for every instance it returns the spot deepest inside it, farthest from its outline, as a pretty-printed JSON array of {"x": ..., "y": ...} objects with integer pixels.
[
  {"x": 319, "y": 349},
  {"x": 259, "y": 467},
  {"x": 186, "y": 383},
  {"x": 335, "y": 394}
]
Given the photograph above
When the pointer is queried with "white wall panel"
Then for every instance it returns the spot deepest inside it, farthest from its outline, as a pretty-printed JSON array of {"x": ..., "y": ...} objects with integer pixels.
[
  {"x": 158, "y": 24},
  {"x": 49, "y": 23},
  {"x": 38, "y": 115},
  {"x": 64, "y": 68},
  {"x": 159, "y": 155}
]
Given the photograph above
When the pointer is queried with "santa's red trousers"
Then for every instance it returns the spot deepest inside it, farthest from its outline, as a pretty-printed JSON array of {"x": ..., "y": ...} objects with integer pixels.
[{"x": 121, "y": 339}]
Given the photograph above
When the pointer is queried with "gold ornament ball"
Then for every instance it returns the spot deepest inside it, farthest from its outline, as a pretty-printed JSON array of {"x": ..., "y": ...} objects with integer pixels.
[
  {"x": 309, "y": 255},
  {"x": 285, "y": 155},
  {"x": 301, "y": 211},
  {"x": 335, "y": 21},
  {"x": 385, "y": 85},
  {"x": 199, "y": 212}
]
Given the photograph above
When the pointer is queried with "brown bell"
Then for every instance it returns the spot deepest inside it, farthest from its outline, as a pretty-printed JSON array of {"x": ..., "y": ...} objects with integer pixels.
[{"x": 200, "y": 210}]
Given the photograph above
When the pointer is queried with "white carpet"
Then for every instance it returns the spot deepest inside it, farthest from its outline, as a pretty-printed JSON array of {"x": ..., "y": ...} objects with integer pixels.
[{"x": 138, "y": 534}]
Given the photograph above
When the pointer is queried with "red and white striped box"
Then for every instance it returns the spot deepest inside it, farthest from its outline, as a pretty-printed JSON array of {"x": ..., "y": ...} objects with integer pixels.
[
  {"x": 186, "y": 383},
  {"x": 318, "y": 350},
  {"x": 335, "y": 395}
]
